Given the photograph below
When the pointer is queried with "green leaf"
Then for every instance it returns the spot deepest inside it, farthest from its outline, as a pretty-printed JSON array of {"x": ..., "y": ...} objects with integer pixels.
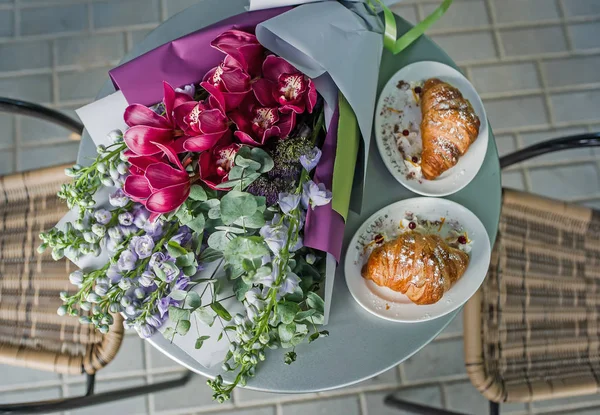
[
  {"x": 247, "y": 163},
  {"x": 190, "y": 270},
  {"x": 233, "y": 272},
  {"x": 244, "y": 247},
  {"x": 183, "y": 326},
  {"x": 221, "y": 311},
  {"x": 256, "y": 221},
  {"x": 287, "y": 311},
  {"x": 247, "y": 265},
  {"x": 177, "y": 314},
  {"x": 209, "y": 204},
  {"x": 256, "y": 154},
  {"x": 175, "y": 250},
  {"x": 197, "y": 193},
  {"x": 205, "y": 315},
  {"x": 159, "y": 272},
  {"x": 210, "y": 255},
  {"x": 305, "y": 315},
  {"x": 218, "y": 240},
  {"x": 192, "y": 300},
  {"x": 314, "y": 301},
  {"x": 290, "y": 357},
  {"x": 186, "y": 260},
  {"x": 316, "y": 318},
  {"x": 169, "y": 333},
  {"x": 184, "y": 215},
  {"x": 215, "y": 212},
  {"x": 313, "y": 337},
  {"x": 178, "y": 295},
  {"x": 197, "y": 224},
  {"x": 200, "y": 341},
  {"x": 237, "y": 204},
  {"x": 286, "y": 332},
  {"x": 231, "y": 229},
  {"x": 240, "y": 288},
  {"x": 301, "y": 332}
]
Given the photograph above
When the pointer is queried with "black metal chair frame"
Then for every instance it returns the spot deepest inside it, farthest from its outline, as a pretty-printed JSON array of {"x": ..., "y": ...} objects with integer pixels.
[
  {"x": 90, "y": 398},
  {"x": 545, "y": 147}
]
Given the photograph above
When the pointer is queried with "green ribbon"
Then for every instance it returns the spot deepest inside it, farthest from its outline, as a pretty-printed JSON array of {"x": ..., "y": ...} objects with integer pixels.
[{"x": 390, "y": 40}]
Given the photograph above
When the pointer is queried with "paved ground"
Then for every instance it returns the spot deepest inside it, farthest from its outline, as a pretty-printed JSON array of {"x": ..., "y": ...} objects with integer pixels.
[{"x": 536, "y": 64}]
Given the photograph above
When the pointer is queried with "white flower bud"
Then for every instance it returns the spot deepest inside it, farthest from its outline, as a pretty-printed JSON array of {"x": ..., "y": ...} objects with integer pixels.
[
  {"x": 90, "y": 237},
  {"x": 310, "y": 258},
  {"x": 101, "y": 149},
  {"x": 76, "y": 277},
  {"x": 122, "y": 168},
  {"x": 114, "y": 136},
  {"x": 98, "y": 229},
  {"x": 107, "y": 181},
  {"x": 78, "y": 224},
  {"x": 123, "y": 157},
  {"x": 62, "y": 310},
  {"x": 263, "y": 338},
  {"x": 238, "y": 319},
  {"x": 93, "y": 298},
  {"x": 85, "y": 305},
  {"x": 114, "y": 173}
]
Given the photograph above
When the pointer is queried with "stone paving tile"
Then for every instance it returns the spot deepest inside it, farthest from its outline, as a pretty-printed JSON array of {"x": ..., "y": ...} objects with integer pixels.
[
  {"x": 585, "y": 35},
  {"x": 581, "y": 7},
  {"x": 466, "y": 14},
  {"x": 25, "y": 55},
  {"x": 36, "y": 88},
  {"x": 6, "y": 23},
  {"x": 264, "y": 410},
  {"x": 90, "y": 49},
  {"x": 516, "y": 112},
  {"x": 576, "y": 106},
  {"x": 505, "y": 144},
  {"x": 132, "y": 406},
  {"x": 539, "y": 40},
  {"x": 195, "y": 395},
  {"x": 510, "y": 11},
  {"x": 346, "y": 406},
  {"x": 175, "y": 6},
  {"x": 504, "y": 78},
  {"x": 81, "y": 84},
  {"x": 427, "y": 395},
  {"x": 441, "y": 358},
  {"x": 56, "y": 19},
  {"x": 116, "y": 13},
  {"x": 481, "y": 45},
  {"x": 513, "y": 180},
  {"x": 571, "y": 71},
  {"x": 7, "y": 132},
  {"x": 565, "y": 182},
  {"x": 537, "y": 137}
]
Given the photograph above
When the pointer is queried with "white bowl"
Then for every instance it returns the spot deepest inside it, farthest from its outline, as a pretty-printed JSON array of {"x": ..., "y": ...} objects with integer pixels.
[
  {"x": 395, "y": 306},
  {"x": 468, "y": 165}
]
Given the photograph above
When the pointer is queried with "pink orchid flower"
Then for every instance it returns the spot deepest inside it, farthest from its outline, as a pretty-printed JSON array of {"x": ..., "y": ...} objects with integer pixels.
[
  {"x": 286, "y": 86},
  {"x": 204, "y": 123},
  {"x": 147, "y": 128},
  {"x": 215, "y": 164},
  {"x": 232, "y": 80},
  {"x": 243, "y": 47},
  {"x": 156, "y": 184},
  {"x": 256, "y": 124}
]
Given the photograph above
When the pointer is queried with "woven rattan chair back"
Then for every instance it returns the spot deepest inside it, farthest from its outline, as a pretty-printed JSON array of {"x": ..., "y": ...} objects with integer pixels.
[
  {"x": 31, "y": 333},
  {"x": 531, "y": 331}
]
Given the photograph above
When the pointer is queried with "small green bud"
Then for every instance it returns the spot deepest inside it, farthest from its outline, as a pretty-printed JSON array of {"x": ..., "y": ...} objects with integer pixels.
[
  {"x": 108, "y": 182},
  {"x": 78, "y": 224},
  {"x": 63, "y": 295},
  {"x": 69, "y": 172},
  {"x": 263, "y": 338},
  {"x": 122, "y": 168},
  {"x": 85, "y": 305},
  {"x": 97, "y": 310},
  {"x": 84, "y": 320},
  {"x": 101, "y": 167},
  {"x": 62, "y": 310},
  {"x": 99, "y": 230},
  {"x": 114, "y": 173},
  {"x": 58, "y": 254},
  {"x": 101, "y": 149},
  {"x": 114, "y": 308},
  {"x": 107, "y": 319},
  {"x": 103, "y": 329},
  {"x": 123, "y": 157},
  {"x": 93, "y": 298},
  {"x": 42, "y": 248}
]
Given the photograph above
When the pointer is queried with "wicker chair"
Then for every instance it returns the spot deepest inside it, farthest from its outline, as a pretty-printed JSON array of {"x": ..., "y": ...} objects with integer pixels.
[
  {"x": 31, "y": 333},
  {"x": 531, "y": 331}
]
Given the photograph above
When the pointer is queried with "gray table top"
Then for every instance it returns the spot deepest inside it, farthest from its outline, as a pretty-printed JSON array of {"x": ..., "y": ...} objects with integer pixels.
[{"x": 360, "y": 345}]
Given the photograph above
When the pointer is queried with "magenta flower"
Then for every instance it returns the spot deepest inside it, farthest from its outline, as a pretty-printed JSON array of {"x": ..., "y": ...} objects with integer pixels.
[
  {"x": 232, "y": 80},
  {"x": 256, "y": 124},
  {"x": 215, "y": 164},
  {"x": 148, "y": 128},
  {"x": 204, "y": 123},
  {"x": 160, "y": 187},
  {"x": 285, "y": 86},
  {"x": 243, "y": 48}
]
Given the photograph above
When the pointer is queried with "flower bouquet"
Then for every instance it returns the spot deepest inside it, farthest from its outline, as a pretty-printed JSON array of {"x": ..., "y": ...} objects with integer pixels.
[{"x": 216, "y": 210}]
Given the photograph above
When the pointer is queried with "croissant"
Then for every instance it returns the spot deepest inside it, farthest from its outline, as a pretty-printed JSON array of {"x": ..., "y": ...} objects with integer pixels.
[
  {"x": 449, "y": 126},
  {"x": 421, "y": 266}
]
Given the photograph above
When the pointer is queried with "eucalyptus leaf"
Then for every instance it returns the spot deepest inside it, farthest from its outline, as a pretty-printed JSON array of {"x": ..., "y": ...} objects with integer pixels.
[
  {"x": 237, "y": 204},
  {"x": 200, "y": 341},
  {"x": 197, "y": 193},
  {"x": 160, "y": 274},
  {"x": 305, "y": 315},
  {"x": 256, "y": 221},
  {"x": 218, "y": 240},
  {"x": 313, "y": 337},
  {"x": 192, "y": 301},
  {"x": 221, "y": 311},
  {"x": 190, "y": 270},
  {"x": 169, "y": 333},
  {"x": 209, "y": 204},
  {"x": 287, "y": 311},
  {"x": 178, "y": 295},
  {"x": 247, "y": 163},
  {"x": 231, "y": 229},
  {"x": 186, "y": 260},
  {"x": 240, "y": 288},
  {"x": 184, "y": 215},
  {"x": 183, "y": 326},
  {"x": 244, "y": 247},
  {"x": 206, "y": 315},
  {"x": 210, "y": 255},
  {"x": 214, "y": 212},
  {"x": 197, "y": 223},
  {"x": 177, "y": 314}
]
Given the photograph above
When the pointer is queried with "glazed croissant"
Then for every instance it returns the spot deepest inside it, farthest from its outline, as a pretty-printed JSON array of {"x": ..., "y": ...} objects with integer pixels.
[
  {"x": 449, "y": 126},
  {"x": 423, "y": 267}
]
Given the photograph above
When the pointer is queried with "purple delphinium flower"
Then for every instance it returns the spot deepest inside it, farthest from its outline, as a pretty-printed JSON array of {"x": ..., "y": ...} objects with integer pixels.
[
  {"x": 288, "y": 202},
  {"x": 189, "y": 90},
  {"x": 315, "y": 194},
  {"x": 113, "y": 274},
  {"x": 155, "y": 320},
  {"x": 146, "y": 279},
  {"x": 181, "y": 284},
  {"x": 115, "y": 233},
  {"x": 112, "y": 245},
  {"x": 164, "y": 304},
  {"x": 288, "y": 285},
  {"x": 157, "y": 258},
  {"x": 146, "y": 330},
  {"x": 142, "y": 245},
  {"x": 274, "y": 236},
  {"x": 183, "y": 236},
  {"x": 153, "y": 229},
  {"x": 102, "y": 216},
  {"x": 140, "y": 216},
  {"x": 310, "y": 160},
  {"x": 126, "y": 218},
  {"x": 118, "y": 198},
  {"x": 128, "y": 230},
  {"x": 127, "y": 260},
  {"x": 170, "y": 270}
]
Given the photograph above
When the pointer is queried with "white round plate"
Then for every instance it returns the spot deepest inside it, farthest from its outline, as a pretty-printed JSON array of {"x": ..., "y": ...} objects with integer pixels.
[
  {"x": 395, "y": 306},
  {"x": 468, "y": 165}
]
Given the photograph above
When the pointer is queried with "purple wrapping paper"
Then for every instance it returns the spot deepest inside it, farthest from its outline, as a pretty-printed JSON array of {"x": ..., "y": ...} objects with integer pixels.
[
  {"x": 324, "y": 227},
  {"x": 186, "y": 60}
]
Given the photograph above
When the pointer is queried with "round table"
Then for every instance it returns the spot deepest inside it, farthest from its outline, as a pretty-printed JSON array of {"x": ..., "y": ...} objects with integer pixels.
[{"x": 360, "y": 345}]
